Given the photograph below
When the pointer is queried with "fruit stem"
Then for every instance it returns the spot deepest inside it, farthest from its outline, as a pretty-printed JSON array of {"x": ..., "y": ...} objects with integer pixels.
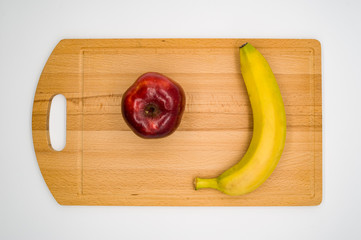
[
  {"x": 151, "y": 110},
  {"x": 243, "y": 45},
  {"x": 205, "y": 183}
]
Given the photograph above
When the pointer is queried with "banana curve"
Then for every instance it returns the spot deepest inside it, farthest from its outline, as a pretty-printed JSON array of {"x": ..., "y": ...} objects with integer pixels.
[{"x": 269, "y": 129}]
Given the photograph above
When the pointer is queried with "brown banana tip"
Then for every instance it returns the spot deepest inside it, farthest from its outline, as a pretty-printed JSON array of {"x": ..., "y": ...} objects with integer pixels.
[
  {"x": 195, "y": 184},
  {"x": 243, "y": 45}
]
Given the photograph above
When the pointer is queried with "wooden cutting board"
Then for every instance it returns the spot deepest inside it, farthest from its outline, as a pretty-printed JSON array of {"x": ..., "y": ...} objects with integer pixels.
[{"x": 105, "y": 163}]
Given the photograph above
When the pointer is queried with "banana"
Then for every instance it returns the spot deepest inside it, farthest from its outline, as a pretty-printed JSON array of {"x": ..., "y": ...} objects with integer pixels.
[{"x": 269, "y": 129}]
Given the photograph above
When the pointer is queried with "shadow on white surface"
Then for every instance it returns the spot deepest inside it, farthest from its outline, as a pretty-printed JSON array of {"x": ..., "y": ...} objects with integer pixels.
[{"x": 57, "y": 122}]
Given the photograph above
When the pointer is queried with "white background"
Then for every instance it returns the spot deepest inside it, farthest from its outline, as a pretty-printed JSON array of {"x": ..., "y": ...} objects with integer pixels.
[{"x": 29, "y": 30}]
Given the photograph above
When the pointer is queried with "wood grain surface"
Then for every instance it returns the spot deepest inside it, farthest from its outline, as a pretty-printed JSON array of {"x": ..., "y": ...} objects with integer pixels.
[{"x": 105, "y": 163}]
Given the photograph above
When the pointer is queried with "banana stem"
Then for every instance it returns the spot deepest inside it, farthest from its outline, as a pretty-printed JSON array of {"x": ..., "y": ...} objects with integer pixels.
[
  {"x": 206, "y": 183},
  {"x": 243, "y": 45}
]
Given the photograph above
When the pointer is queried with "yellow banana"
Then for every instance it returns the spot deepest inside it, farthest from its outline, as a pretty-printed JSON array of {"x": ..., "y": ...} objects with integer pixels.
[{"x": 269, "y": 129}]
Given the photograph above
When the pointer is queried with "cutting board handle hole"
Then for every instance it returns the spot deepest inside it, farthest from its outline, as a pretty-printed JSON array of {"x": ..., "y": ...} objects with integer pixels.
[{"x": 57, "y": 122}]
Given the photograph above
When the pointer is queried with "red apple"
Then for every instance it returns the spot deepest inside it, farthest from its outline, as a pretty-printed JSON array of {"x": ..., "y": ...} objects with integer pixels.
[{"x": 153, "y": 106}]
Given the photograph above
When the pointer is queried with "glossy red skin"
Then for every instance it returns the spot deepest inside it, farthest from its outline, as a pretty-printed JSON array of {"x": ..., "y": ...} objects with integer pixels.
[{"x": 159, "y": 91}]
